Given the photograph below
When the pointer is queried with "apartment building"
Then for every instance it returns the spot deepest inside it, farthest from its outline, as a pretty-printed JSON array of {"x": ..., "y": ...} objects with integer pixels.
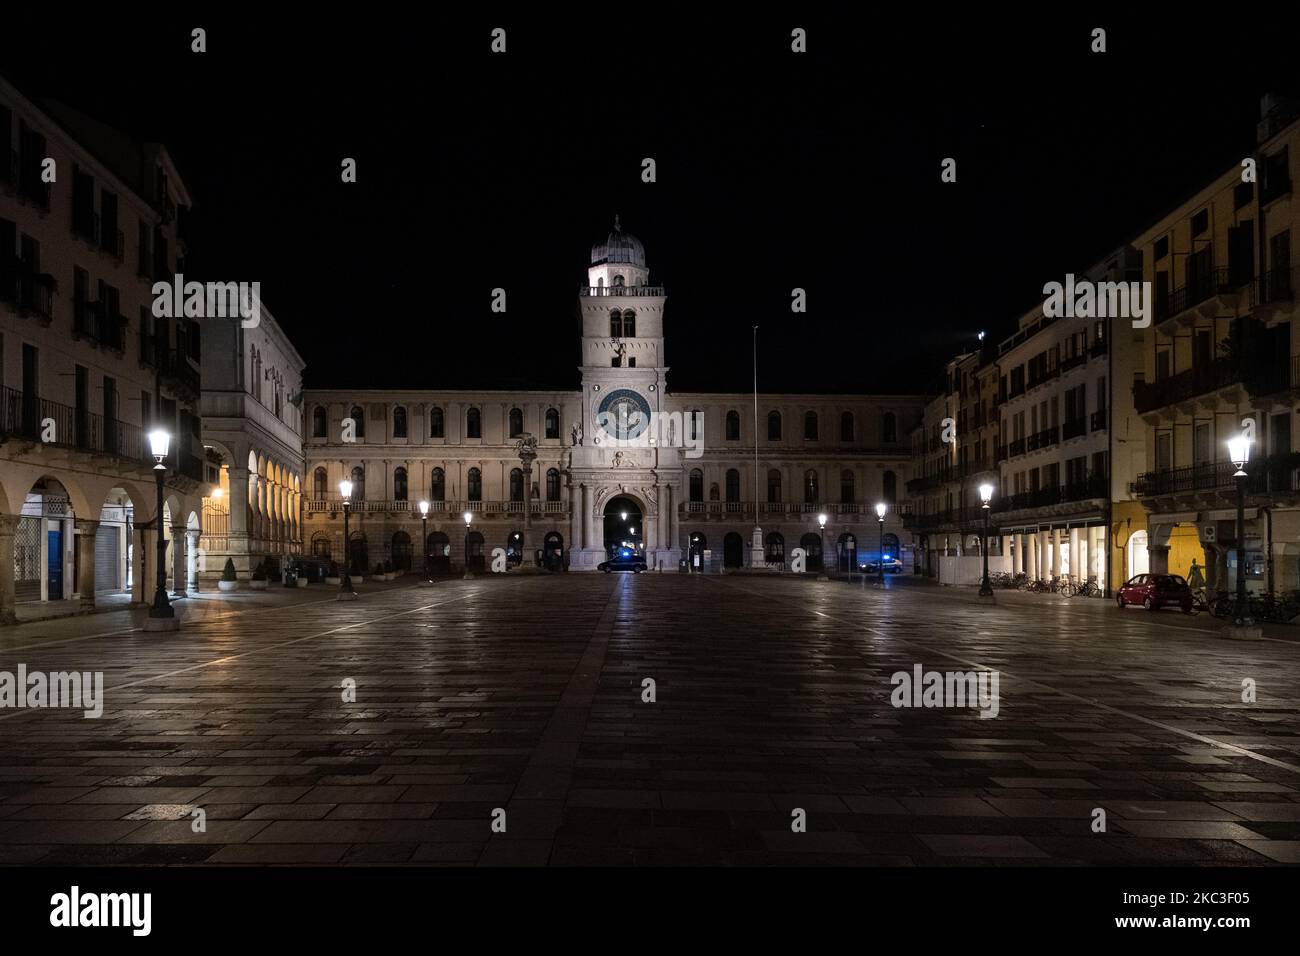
[
  {"x": 1219, "y": 359},
  {"x": 89, "y": 219}
]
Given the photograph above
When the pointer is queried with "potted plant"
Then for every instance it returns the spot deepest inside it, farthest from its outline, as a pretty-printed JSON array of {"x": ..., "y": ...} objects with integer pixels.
[
  {"x": 333, "y": 576},
  {"x": 258, "y": 581},
  {"x": 290, "y": 574},
  {"x": 389, "y": 574},
  {"x": 379, "y": 572},
  {"x": 358, "y": 573},
  {"x": 228, "y": 581}
]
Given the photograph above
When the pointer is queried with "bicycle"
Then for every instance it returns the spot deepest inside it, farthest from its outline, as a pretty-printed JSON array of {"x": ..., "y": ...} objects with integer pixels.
[{"x": 1089, "y": 588}]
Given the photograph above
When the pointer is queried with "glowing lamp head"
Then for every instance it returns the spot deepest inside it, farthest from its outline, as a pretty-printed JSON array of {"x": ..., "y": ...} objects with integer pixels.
[
  {"x": 468, "y": 518},
  {"x": 1239, "y": 452},
  {"x": 345, "y": 489},
  {"x": 216, "y": 491},
  {"x": 159, "y": 441},
  {"x": 821, "y": 520},
  {"x": 881, "y": 508},
  {"x": 622, "y": 515},
  {"x": 986, "y": 493},
  {"x": 424, "y": 509}
]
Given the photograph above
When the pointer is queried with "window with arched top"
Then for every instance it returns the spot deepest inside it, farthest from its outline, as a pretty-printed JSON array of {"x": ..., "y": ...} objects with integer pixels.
[
  {"x": 846, "y": 426},
  {"x": 358, "y": 416},
  {"x": 516, "y": 422},
  {"x": 733, "y": 484},
  {"x": 697, "y": 485},
  {"x": 888, "y": 428},
  {"x": 437, "y": 423},
  {"x": 773, "y": 486},
  {"x": 810, "y": 486},
  {"x": 473, "y": 423},
  {"x": 516, "y": 484},
  {"x": 733, "y": 425},
  {"x": 320, "y": 484},
  {"x": 847, "y": 488},
  {"x": 474, "y": 485},
  {"x": 773, "y": 426},
  {"x": 810, "y": 426},
  {"x": 619, "y": 280},
  {"x": 552, "y": 423},
  {"x": 629, "y": 324},
  {"x": 358, "y": 484},
  {"x": 399, "y": 422},
  {"x": 552, "y": 485},
  {"x": 889, "y": 489},
  {"x": 319, "y": 422},
  {"x": 615, "y": 324},
  {"x": 399, "y": 484},
  {"x": 438, "y": 485}
]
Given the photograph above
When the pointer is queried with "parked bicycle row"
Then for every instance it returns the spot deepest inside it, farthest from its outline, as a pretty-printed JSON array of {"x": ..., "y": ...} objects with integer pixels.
[{"x": 1064, "y": 585}]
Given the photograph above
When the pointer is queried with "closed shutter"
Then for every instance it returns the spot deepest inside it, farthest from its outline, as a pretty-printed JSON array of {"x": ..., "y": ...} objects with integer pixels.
[{"x": 108, "y": 544}]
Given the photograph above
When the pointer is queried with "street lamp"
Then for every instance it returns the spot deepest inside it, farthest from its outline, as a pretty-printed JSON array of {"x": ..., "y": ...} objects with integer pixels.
[
  {"x": 986, "y": 495},
  {"x": 162, "y": 616},
  {"x": 821, "y": 520},
  {"x": 424, "y": 538},
  {"x": 345, "y": 579},
  {"x": 1239, "y": 452},
  {"x": 468, "y": 516},
  {"x": 881, "y": 508}
]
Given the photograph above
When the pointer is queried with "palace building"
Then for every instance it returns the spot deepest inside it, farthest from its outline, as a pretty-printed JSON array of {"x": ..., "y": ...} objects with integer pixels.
[{"x": 565, "y": 478}]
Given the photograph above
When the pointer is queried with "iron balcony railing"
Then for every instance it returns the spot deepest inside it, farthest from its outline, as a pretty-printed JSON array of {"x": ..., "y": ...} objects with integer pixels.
[
  {"x": 1097, "y": 349},
  {"x": 29, "y": 416},
  {"x": 1098, "y": 420},
  {"x": 92, "y": 320},
  {"x": 1074, "y": 428},
  {"x": 1276, "y": 473},
  {"x": 1186, "y": 385},
  {"x": 1094, "y": 486},
  {"x": 1198, "y": 289},
  {"x": 28, "y": 291},
  {"x": 175, "y": 367},
  {"x": 1274, "y": 286}
]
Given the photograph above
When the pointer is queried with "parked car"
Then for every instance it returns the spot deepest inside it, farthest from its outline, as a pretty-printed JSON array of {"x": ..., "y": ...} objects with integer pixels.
[
  {"x": 1154, "y": 591},
  {"x": 624, "y": 562},
  {"x": 892, "y": 566}
]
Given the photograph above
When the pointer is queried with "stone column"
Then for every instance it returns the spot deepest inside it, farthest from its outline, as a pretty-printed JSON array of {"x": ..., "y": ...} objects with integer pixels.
[
  {"x": 180, "y": 560},
  {"x": 8, "y": 527},
  {"x": 589, "y": 512},
  {"x": 1077, "y": 570},
  {"x": 575, "y": 518},
  {"x": 191, "y": 559},
  {"x": 1018, "y": 562},
  {"x": 86, "y": 530},
  {"x": 146, "y": 554}
]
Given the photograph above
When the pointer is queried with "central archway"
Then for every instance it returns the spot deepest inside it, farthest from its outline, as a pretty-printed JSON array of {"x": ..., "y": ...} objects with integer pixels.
[{"x": 624, "y": 527}]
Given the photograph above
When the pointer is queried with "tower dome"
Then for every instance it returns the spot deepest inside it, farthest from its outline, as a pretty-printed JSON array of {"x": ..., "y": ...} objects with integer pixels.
[{"x": 619, "y": 247}]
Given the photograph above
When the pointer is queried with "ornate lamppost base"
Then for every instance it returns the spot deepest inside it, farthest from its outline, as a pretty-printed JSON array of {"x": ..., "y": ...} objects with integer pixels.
[
  {"x": 988, "y": 598},
  {"x": 152, "y": 624}
]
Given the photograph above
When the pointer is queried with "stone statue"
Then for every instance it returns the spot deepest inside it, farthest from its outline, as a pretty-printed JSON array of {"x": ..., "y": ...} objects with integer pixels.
[{"x": 575, "y": 433}]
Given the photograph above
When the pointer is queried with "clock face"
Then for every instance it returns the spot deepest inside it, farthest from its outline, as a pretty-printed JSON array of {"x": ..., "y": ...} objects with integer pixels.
[{"x": 623, "y": 414}]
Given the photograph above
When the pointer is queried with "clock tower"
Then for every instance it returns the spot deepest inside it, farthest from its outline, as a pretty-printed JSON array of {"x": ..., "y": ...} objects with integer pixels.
[{"x": 621, "y": 452}]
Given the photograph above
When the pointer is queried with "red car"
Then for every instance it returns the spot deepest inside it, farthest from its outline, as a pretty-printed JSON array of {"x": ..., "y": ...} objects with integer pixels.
[{"x": 1154, "y": 591}]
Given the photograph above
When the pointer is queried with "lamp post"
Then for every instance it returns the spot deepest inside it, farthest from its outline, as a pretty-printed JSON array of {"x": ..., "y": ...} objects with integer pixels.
[
  {"x": 1239, "y": 452},
  {"x": 346, "y": 593},
  {"x": 821, "y": 520},
  {"x": 468, "y": 518},
  {"x": 986, "y": 495},
  {"x": 162, "y": 616},
  {"x": 881, "y": 508},
  {"x": 424, "y": 538}
]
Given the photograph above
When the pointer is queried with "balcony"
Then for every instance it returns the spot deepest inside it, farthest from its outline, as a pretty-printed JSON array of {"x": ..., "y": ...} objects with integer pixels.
[
  {"x": 1215, "y": 289},
  {"x": 1274, "y": 291},
  {"x": 1275, "y": 474},
  {"x": 1097, "y": 349},
  {"x": 28, "y": 416},
  {"x": 1074, "y": 428},
  {"x": 1047, "y": 376},
  {"x": 29, "y": 292},
  {"x": 1074, "y": 361},
  {"x": 1044, "y": 439},
  {"x": 633, "y": 291},
  {"x": 930, "y": 522},
  {"x": 1098, "y": 420},
  {"x": 1186, "y": 385},
  {"x": 174, "y": 367},
  {"x": 1016, "y": 447},
  {"x": 1095, "y": 486},
  {"x": 93, "y": 321},
  {"x": 439, "y": 509}
]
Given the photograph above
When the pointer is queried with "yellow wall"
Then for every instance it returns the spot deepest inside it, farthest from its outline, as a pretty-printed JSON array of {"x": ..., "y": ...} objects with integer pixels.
[
  {"x": 1184, "y": 545},
  {"x": 1127, "y": 518}
]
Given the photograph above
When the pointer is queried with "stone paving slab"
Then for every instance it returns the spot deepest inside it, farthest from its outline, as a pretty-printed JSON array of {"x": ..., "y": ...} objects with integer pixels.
[{"x": 520, "y": 698}]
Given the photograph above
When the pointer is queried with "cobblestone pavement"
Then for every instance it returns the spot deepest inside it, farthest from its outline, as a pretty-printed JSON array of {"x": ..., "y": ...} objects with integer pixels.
[{"x": 771, "y": 695}]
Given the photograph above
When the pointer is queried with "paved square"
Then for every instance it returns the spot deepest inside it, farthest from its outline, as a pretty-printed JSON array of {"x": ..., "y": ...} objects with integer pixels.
[{"x": 771, "y": 695}]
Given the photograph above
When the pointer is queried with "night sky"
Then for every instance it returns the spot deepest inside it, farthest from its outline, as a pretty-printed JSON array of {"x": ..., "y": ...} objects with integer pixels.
[{"x": 774, "y": 171}]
